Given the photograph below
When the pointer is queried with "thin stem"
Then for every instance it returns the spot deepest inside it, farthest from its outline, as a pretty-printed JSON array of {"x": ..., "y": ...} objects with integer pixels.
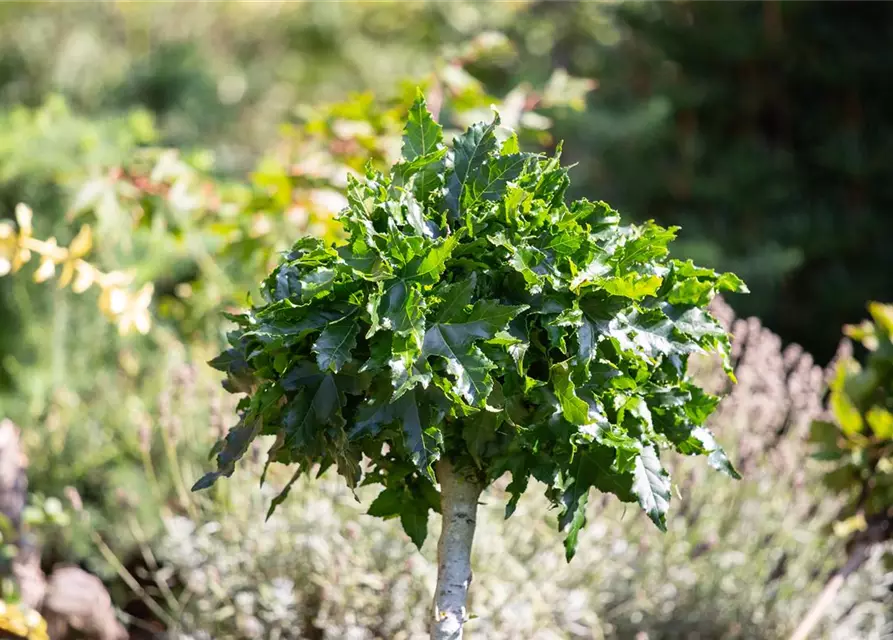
[
  {"x": 132, "y": 582},
  {"x": 459, "y": 499},
  {"x": 829, "y": 593}
]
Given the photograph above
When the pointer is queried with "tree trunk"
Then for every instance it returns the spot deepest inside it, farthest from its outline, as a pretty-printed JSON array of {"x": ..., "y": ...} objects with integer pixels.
[{"x": 459, "y": 500}]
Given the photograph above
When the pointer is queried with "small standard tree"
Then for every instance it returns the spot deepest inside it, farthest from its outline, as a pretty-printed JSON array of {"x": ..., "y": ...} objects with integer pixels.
[{"x": 473, "y": 324}]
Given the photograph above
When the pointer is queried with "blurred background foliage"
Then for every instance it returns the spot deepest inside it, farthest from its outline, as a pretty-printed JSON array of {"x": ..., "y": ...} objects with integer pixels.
[{"x": 196, "y": 142}]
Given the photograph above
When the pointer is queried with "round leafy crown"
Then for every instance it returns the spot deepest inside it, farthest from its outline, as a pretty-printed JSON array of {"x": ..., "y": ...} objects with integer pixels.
[{"x": 473, "y": 315}]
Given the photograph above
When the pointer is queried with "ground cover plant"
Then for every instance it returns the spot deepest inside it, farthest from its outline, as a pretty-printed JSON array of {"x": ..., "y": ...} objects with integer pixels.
[{"x": 472, "y": 325}]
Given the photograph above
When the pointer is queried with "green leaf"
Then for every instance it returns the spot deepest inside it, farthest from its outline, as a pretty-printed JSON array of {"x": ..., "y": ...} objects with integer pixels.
[
  {"x": 466, "y": 363},
  {"x": 455, "y": 297},
  {"x": 282, "y": 495},
  {"x": 490, "y": 180},
  {"x": 454, "y": 343},
  {"x": 846, "y": 412},
  {"x": 633, "y": 285},
  {"x": 388, "y": 504},
  {"x": 424, "y": 176},
  {"x": 644, "y": 333},
  {"x": 479, "y": 431},
  {"x": 651, "y": 485},
  {"x": 334, "y": 346},
  {"x": 574, "y": 409},
  {"x": 826, "y": 434},
  {"x": 422, "y": 135},
  {"x": 647, "y": 244},
  {"x": 292, "y": 284},
  {"x": 415, "y": 217},
  {"x": 493, "y": 316},
  {"x": 702, "y": 442},
  {"x": 227, "y": 360},
  {"x": 471, "y": 151},
  {"x": 587, "y": 339},
  {"x": 372, "y": 417},
  {"x": 573, "y": 526},
  {"x": 592, "y": 467},
  {"x": 565, "y": 243},
  {"x": 402, "y": 308},
  {"x": 420, "y": 436},
  {"x": 592, "y": 273},
  {"x": 427, "y": 269},
  {"x": 511, "y": 145},
  {"x": 414, "y": 518},
  {"x": 691, "y": 291},
  {"x": 235, "y": 445},
  {"x": 732, "y": 283},
  {"x": 311, "y": 411},
  {"x": 700, "y": 406}
]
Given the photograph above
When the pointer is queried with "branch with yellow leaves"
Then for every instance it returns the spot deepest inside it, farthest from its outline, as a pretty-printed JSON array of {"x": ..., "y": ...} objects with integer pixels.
[{"x": 127, "y": 308}]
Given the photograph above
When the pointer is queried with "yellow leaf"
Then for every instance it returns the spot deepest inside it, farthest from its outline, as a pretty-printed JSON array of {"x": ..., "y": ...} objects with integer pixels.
[
  {"x": 864, "y": 332},
  {"x": 881, "y": 422},
  {"x": 846, "y": 528},
  {"x": 20, "y": 258},
  {"x": 82, "y": 243},
  {"x": 66, "y": 275},
  {"x": 84, "y": 278},
  {"x": 45, "y": 271},
  {"x": 883, "y": 316},
  {"x": 846, "y": 413},
  {"x": 24, "y": 216},
  {"x": 8, "y": 247},
  {"x": 22, "y": 622}
]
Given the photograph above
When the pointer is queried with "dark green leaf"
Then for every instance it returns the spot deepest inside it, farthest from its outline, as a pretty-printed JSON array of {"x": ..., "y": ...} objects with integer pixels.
[
  {"x": 465, "y": 362},
  {"x": 590, "y": 468},
  {"x": 471, "y": 151},
  {"x": 282, "y": 495},
  {"x": 455, "y": 298},
  {"x": 334, "y": 345},
  {"x": 414, "y": 519},
  {"x": 388, "y": 504},
  {"x": 573, "y": 524},
  {"x": 235, "y": 445},
  {"x": 311, "y": 411},
  {"x": 420, "y": 436}
]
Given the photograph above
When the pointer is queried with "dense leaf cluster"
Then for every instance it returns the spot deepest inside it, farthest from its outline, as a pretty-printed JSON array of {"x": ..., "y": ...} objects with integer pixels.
[{"x": 473, "y": 314}]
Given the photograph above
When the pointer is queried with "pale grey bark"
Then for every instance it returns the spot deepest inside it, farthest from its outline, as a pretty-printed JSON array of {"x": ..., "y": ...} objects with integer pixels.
[{"x": 459, "y": 500}]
